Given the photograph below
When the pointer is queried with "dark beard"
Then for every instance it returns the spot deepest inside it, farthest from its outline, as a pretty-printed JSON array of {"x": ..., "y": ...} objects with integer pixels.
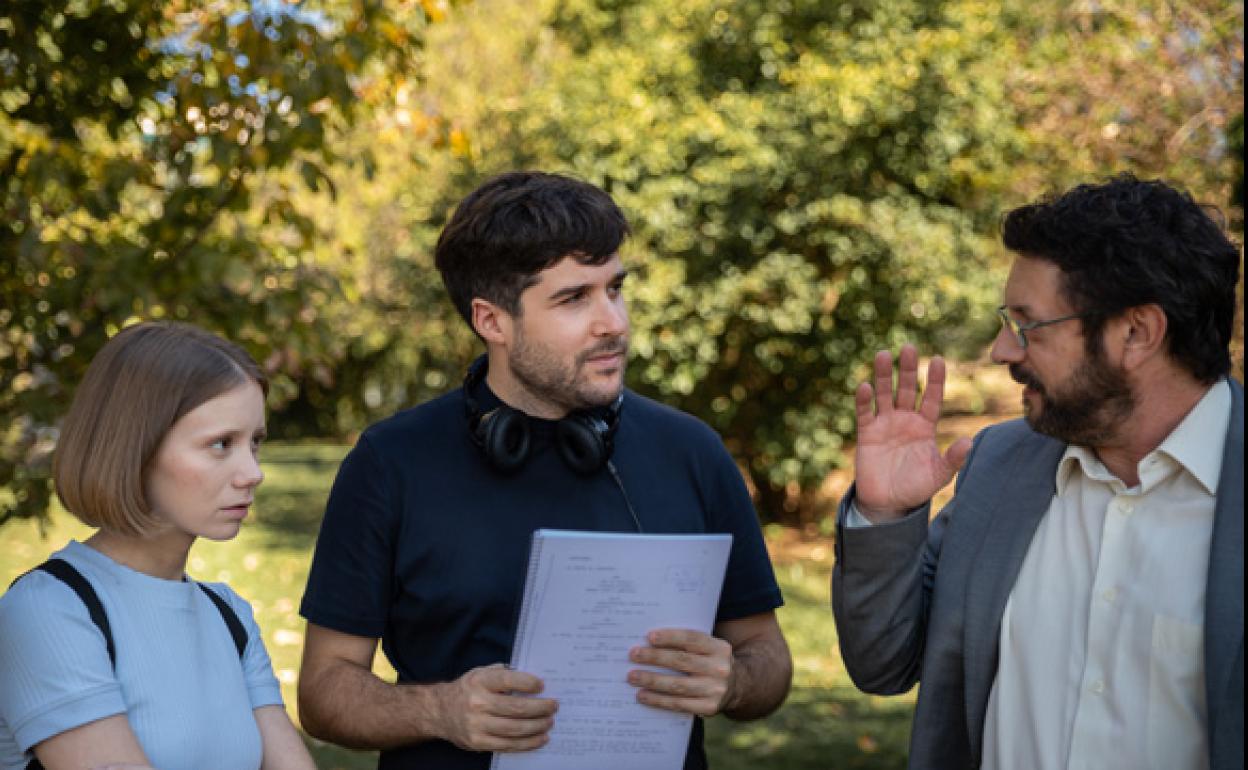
[
  {"x": 1088, "y": 410},
  {"x": 545, "y": 377}
]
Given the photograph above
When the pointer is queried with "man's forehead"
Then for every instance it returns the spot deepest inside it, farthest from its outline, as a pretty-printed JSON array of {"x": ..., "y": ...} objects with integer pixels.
[
  {"x": 571, "y": 267},
  {"x": 1034, "y": 285}
]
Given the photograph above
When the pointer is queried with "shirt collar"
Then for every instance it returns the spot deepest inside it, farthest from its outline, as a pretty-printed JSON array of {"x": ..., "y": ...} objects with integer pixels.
[
  {"x": 1080, "y": 458},
  {"x": 1196, "y": 445},
  {"x": 1199, "y": 440}
]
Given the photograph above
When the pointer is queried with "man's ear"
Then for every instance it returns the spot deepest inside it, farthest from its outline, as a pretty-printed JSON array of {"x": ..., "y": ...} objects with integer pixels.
[
  {"x": 491, "y": 322},
  {"x": 1144, "y": 334}
]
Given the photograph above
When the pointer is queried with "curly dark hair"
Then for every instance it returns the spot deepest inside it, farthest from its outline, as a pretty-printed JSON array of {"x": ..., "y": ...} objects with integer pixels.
[
  {"x": 517, "y": 224},
  {"x": 1129, "y": 242}
]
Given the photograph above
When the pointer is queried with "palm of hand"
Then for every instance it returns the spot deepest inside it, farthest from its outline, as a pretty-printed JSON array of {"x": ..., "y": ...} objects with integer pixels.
[{"x": 897, "y": 464}]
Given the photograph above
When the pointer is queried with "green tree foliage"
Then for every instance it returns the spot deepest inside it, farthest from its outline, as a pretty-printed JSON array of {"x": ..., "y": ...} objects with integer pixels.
[
  {"x": 1153, "y": 86},
  {"x": 150, "y": 153},
  {"x": 811, "y": 181},
  {"x": 397, "y": 339},
  {"x": 807, "y": 183},
  {"x": 1235, "y": 138}
]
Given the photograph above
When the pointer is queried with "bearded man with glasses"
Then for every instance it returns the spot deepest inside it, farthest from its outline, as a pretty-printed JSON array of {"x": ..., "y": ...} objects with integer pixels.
[{"x": 1079, "y": 603}]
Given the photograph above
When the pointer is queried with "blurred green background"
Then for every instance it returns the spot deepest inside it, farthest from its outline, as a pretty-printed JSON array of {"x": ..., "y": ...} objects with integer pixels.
[{"x": 807, "y": 181}]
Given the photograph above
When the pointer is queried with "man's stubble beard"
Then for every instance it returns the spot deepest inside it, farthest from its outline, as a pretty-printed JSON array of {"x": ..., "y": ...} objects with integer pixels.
[
  {"x": 1089, "y": 409},
  {"x": 548, "y": 379}
]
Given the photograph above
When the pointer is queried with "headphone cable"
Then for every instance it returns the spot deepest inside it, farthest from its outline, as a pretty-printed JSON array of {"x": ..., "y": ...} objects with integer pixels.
[{"x": 620, "y": 483}]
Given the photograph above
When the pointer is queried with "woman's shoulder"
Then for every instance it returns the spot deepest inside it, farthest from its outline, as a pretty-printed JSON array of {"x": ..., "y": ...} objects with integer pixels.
[
  {"x": 227, "y": 594},
  {"x": 38, "y": 590},
  {"x": 231, "y": 607},
  {"x": 31, "y": 595},
  {"x": 46, "y": 626}
]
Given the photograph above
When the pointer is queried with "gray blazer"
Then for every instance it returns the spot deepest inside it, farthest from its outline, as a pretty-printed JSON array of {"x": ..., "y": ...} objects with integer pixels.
[{"x": 917, "y": 602}]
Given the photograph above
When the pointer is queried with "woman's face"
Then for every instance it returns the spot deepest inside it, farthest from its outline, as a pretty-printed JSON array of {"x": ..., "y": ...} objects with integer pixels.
[{"x": 205, "y": 472}]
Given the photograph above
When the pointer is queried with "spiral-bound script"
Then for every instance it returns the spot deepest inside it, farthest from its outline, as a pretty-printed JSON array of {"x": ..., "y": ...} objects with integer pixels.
[{"x": 588, "y": 598}]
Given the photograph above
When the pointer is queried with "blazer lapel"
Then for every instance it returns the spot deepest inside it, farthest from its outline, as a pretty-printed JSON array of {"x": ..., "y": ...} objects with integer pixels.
[
  {"x": 1023, "y": 493},
  {"x": 1224, "y": 593}
]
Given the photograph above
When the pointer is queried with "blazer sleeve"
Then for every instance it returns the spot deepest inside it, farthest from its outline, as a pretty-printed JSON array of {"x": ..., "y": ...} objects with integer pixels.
[{"x": 881, "y": 590}]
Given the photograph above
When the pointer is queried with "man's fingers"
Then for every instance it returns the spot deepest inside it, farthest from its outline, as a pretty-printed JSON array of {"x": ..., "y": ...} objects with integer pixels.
[
  {"x": 518, "y": 681},
  {"x": 499, "y": 678},
  {"x": 514, "y": 744},
  {"x": 687, "y": 639},
  {"x": 864, "y": 398},
  {"x": 509, "y": 723},
  {"x": 956, "y": 454},
  {"x": 684, "y": 662},
  {"x": 500, "y": 727},
  {"x": 490, "y": 739},
  {"x": 683, "y": 686},
  {"x": 689, "y": 694},
  {"x": 907, "y": 377},
  {"x": 883, "y": 382},
  {"x": 934, "y": 393},
  {"x": 703, "y": 664},
  {"x": 520, "y": 707},
  {"x": 701, "y": 706}
]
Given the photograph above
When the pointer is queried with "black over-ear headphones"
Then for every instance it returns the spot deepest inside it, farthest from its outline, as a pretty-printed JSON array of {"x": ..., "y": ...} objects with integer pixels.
[{"x": 584, "y": 439}]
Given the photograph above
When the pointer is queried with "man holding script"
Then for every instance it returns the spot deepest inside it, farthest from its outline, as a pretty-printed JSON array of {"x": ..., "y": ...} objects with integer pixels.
[{"x": 427, "y": 530}]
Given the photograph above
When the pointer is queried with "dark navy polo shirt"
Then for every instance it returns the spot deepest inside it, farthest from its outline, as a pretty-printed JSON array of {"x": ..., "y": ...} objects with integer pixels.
[{"x": 425, "y": 546}]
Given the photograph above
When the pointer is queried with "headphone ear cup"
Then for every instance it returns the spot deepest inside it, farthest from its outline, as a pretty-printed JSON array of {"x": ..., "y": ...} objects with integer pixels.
[
  {"x": 583, "y": 443},
  {"x": 504, "y": 436}
]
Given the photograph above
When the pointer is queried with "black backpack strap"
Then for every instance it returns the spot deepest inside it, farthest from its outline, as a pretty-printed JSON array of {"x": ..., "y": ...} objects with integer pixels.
[
  {"x": 67, "y": 574},
  {"x": 230, "y": 617}
]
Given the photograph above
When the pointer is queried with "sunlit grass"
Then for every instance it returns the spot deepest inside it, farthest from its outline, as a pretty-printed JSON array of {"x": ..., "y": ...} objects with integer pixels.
[{"x": 825, "y": 725}]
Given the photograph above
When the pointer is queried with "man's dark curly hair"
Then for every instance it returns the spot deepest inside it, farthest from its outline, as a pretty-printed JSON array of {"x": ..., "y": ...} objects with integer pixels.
[
  {"x": 1129, "y": 242},
  {"x": 516, "y": 225}
]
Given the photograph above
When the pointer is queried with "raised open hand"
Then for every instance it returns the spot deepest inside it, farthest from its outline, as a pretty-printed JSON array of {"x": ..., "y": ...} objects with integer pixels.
[{"x": 898, "y": 465}]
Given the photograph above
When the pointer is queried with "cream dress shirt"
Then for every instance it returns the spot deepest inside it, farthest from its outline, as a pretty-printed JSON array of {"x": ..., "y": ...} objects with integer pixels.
[
  {"x": 1102, "y": 660},
  {"x": 1102, "y": 639}
]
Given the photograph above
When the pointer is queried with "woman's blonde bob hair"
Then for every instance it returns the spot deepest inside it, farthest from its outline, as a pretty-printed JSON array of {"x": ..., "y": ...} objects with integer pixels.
[{"x": 140, "y": 383}]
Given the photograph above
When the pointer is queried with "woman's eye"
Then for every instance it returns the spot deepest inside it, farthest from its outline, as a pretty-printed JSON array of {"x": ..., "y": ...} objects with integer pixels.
[{"x": 221, "y": 444}]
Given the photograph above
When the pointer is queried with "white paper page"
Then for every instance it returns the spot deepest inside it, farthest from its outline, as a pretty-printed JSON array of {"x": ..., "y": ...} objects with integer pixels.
[{"x": 590, "y": 598}]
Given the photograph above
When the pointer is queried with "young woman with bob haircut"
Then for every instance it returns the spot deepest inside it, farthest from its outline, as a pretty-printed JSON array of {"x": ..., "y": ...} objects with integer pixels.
[{"x": 158, "y": 449}]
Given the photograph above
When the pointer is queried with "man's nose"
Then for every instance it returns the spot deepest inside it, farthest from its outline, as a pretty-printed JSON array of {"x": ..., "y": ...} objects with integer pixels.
[
  {"x": 612, "y": 319},
  {"x": 1005, "y": 348}
]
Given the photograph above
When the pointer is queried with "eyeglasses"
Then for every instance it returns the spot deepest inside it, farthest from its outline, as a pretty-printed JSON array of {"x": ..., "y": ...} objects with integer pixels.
[{"x": 1020, "y": 330}]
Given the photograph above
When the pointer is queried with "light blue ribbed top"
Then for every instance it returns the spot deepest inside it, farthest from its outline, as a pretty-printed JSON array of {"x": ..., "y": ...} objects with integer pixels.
[{"x": 179, "y": 680}]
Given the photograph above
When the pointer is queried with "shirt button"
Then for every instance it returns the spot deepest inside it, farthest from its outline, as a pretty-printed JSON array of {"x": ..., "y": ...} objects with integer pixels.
[
  {"x": 1098, "y": 687},
  {"x": 1126, "y": 509},
  {"x": 1110, "y": 595}
]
